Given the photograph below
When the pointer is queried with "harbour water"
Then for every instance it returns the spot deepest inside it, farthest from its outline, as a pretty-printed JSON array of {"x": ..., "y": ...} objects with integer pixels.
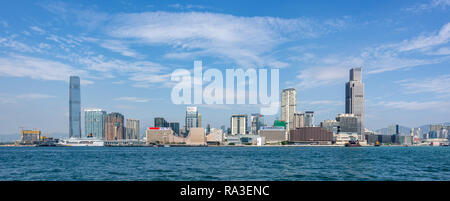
[{"x": 224, "y": 163}]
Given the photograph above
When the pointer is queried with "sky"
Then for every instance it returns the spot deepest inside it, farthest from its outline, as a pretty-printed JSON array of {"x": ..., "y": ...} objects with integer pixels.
[{"x": 125, "y": 51}]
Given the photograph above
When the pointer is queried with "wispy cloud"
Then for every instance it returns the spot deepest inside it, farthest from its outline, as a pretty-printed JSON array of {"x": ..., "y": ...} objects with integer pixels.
[
  {"x": 37, "y": 68},
  {"x": 132, "y": 99},
  {"x": 35, "y": 96},
  {"x": 415, "y": 105},
  {"x": 443, "y": 4},
  {"x": 37, "y": 29},
  {"x": 322, "y": 102},
  {"x": 439, "y": 85},
  {"x": 245, "y": 40}
]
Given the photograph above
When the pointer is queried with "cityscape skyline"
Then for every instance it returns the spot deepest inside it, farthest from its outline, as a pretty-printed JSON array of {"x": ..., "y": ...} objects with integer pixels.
[{"x": 407, "y": 85}]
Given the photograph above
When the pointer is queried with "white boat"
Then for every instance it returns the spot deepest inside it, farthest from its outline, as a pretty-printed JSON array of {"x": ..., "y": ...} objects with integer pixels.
[{"x": 82, "y": 142}]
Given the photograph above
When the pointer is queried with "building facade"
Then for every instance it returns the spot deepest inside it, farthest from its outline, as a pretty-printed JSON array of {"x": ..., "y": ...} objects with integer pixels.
[
  {"x": 309, "y": 119},
  {"x": 354, "y": 97},
  {"x": 161, "y": 122},
  {"x": 288, "y": 107},
  {"x": 348, "y": 123},
  {"x": 74, "y": 107},
  {"x": 299, "y": 120},
  {"x": 273, "y": 134},
  {"x": 132, "y": 129},
  {"x": 94, "y": 123},
  {"x": 311, "y": 135},
  {"x": 114, "y": 127},
  {"x": 175, "y": 126},
  {"x": 238, "y": 124},
  {"x": 191, "y": 118},
  {"x": 256, "y": 122}
]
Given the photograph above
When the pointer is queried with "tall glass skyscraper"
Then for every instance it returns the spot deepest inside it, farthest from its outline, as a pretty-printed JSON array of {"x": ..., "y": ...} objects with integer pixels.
[
  {"x": 94, "y": 122},
  {"x": 74, "y": 107},
  {"x": 192, "y": 120},
  {"x": 354, "y": 98}
]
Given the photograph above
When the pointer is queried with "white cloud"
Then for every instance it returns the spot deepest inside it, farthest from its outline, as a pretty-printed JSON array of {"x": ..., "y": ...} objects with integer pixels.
[
  {"x": 35, "y": 96},
  {"x": 439, "y": 85},
  {"x": 119, "y": 47},
  {"x": 426, "y": 42},
  {"x": 245, "y": 40},
  {"x": 319, "y": 76},
  {"x": 37, "y": 29},
  {"x": 443, "y": 4},
  {"x": 132, "y": 99},
  {"x": 36, "y": 68},
  {"x": 322, "y": 102},
  {"x": 414, "y": 105}
]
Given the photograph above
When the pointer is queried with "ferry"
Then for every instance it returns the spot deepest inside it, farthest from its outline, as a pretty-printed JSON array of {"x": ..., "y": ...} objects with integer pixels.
[
  {"x": 82, "y": 142},
  {"x": 352, "y": 143}
]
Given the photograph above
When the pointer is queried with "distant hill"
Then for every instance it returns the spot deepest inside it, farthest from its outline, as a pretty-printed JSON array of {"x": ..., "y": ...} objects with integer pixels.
[
  {"x": 405, "y": 130},
  {"x": 426, "y": 128},
  {"x": 402, "y": 129}
]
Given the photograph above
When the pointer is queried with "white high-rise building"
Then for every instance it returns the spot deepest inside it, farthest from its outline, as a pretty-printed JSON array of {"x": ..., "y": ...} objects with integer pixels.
[
  {"x": 192, "y": 118},
  {"x": 132, "y": 129},
  {"x": 288, "y": 107},
  {"x": 354, "y": 98},
  {"x": 238, "y": 124}
]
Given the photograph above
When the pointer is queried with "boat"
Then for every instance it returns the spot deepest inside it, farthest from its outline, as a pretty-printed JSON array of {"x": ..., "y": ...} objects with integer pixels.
[
  {"x": 82, "y": 142},
  {"x": 352, "y": 143},
  {"x": 377, "y": 144}
]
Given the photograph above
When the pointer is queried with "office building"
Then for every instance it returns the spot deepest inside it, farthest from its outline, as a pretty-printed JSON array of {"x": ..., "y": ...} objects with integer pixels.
[
  {"x": 288, "y": 107},
  {"x": 132, "y": 129},
  {"x": 330, "y": 125},
  {"x": 30, "y": 136},
  {"x": 94, "y": 123},
  {"x": 238, "y": 124},
  {"x": 309, "y": 119},
  {"x": 348, "y": 123},
  {"x": 299, "y": 120},
  {"x": 273, "y": 135},
  {"x": 161, "y": 122},
  {"x": 199, "y": 122},
  {"x": 354, "y": 98},
  {"x": 191, "y": 118},
  {"x": 74, "y": 107},
  {"x": 114, "y": 126},
  {"x": 175, "y": 126},
  {"x": 256, "y": 122},
  {"x": 310, "y": 135}
]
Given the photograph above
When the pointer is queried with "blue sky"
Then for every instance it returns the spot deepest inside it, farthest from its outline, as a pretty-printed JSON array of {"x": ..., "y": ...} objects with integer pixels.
[{"x": 124, "y": 52}]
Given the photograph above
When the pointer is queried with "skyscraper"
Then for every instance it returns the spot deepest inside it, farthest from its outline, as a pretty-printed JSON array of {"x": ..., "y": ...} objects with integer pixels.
[
  {"x": 354, "y": 98},
  {"x": 238, "y": 124},
  {"x": 132, "y": 128},
  {"x": 74, "y": 107},
  {"x": 309, "y": 119},
  {"x": 288, "y": 107},
  {"x": 114, "y": 128},
  {"x": 175, "y": 126},
  {"x": 94, "y": 122},
  {"x": 299, "y": 120},
  {"x": 161, "y": 122},
  {"x": 256, "y": 122},
  {"x": 191, "y": 118},
  {"x": 348, "y": 123}
]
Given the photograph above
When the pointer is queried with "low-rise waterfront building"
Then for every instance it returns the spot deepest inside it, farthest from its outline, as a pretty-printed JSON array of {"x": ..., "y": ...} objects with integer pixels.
[
  {"x": 28, "y": 137},
  {"x": 273, "y": 135},
  {"x": 310, "y": 135}
]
